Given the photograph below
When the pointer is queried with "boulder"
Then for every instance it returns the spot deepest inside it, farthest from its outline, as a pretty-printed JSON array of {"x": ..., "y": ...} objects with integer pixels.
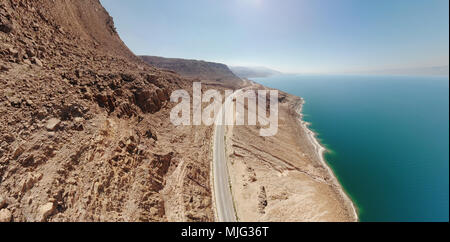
[
  {"x": 128, "y": 77},
  {"x": 36, "y": 61},
  {"x": 106, "y": 101},
  {"x": 6, "y": 25},
  {"x": 15, "y": 101},
  {"x": 5, "y": 216},
  {"x": 78, "y": 120},
  {"x": 4, "y": 68},
  {"x": 13, "y": 52},
  {"x": 9, "y": 138},
  {"x": 18, "y": 152},
  {"x": 3, "y": 202},
  {"x": 147, "y": 100},
  {"x": 30, "y": 52},
  {"x": 28, "y": 62},
  {"x": 45, "y": 211},
  {"x": 52, "y": 124}
]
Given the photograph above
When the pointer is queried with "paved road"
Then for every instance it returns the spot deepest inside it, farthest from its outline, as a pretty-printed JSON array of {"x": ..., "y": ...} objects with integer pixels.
[{"x": 222, "y": 189}]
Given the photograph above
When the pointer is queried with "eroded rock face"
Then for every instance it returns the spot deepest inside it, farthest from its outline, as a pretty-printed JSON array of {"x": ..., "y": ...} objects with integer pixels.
[
  {"x": 150, "y": 101},
  {"x": 106, "y": 101},
  {"x": 195, "y": 69},
  {"x": 83, "y": 123}
]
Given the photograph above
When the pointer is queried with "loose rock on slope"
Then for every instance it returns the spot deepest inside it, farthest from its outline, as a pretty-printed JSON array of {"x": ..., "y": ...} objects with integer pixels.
[{"x": 75, "y": 110}]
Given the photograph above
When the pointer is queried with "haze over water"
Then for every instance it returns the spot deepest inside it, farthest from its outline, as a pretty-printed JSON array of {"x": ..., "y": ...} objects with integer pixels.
[{"x": 388, "y": 139}]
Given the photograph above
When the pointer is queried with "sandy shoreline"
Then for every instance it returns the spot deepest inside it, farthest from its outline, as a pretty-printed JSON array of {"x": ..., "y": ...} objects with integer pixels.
[
  {"x": 284, "y": 178},
  {"x": 320, "y": 152}
]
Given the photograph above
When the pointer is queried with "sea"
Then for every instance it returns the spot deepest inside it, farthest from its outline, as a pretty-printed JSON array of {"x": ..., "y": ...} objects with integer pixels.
[{"x": 387, "y": 139}]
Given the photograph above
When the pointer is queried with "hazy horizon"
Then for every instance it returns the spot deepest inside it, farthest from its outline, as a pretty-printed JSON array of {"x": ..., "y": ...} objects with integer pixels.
[{"x": 291, "y": 36}]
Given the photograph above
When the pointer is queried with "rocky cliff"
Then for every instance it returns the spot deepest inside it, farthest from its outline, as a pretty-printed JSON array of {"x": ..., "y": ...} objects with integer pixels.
[
  {"x": 196, "y": 69},
  {"x": 253, "y": 72},
  {"x": 84, "y": 123}
]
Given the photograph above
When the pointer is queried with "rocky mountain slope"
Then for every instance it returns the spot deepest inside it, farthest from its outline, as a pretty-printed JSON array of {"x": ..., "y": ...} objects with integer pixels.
[
  {"x": 83, "y": 123},
  {"x": 253, "y": 72},
  {"x": 196, "y": 69}
]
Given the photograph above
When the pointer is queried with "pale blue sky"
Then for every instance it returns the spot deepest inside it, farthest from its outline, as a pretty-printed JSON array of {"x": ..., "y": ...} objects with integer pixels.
[{"x": 308, "y": 36}]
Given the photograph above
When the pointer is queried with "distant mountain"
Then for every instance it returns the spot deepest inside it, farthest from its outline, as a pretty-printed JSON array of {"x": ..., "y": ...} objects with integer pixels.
[
  {"x": 433, "y": 71},
  {"x": 253, "y": 72},
  {"x": 203, "y": 70}
]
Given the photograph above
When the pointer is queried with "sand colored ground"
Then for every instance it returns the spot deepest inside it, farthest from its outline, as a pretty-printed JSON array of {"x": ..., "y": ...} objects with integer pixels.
[{"x": 282, "y": 178}]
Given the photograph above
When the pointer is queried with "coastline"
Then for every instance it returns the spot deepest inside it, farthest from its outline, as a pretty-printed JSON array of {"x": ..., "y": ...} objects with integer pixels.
[
  {"x": 320, "y": 150},
  {"x": 286, "y": 182}
]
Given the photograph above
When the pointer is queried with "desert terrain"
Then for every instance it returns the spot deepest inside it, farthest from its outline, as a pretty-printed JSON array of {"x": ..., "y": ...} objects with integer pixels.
[
  {"x": 282, "y": 178},
  {"x": 85, "y": 133}
]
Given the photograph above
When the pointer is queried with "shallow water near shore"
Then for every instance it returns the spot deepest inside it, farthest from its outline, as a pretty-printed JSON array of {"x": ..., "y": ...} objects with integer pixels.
[{"x": 388, "y": 139}]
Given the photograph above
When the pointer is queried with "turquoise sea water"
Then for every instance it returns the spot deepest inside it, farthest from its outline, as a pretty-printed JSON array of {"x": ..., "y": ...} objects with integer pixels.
[{"x": 388, "y": 140}]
